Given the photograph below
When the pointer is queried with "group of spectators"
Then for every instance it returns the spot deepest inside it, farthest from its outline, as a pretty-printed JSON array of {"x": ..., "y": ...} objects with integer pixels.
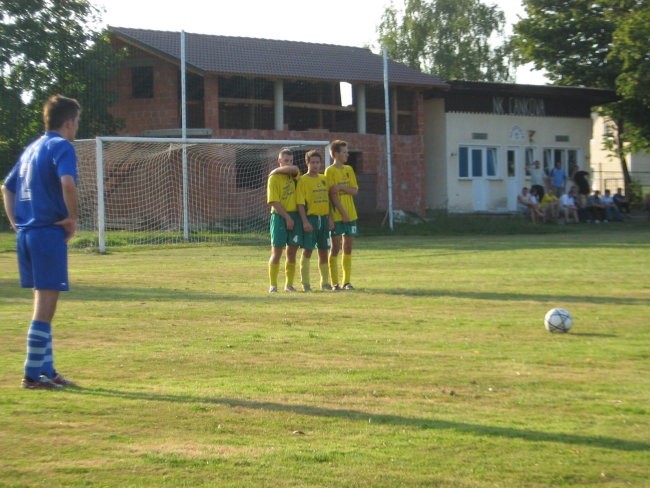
[{"x": 567, "y": 199}]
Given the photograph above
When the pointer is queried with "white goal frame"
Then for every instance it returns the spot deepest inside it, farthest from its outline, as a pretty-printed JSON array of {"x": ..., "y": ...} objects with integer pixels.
[{"x": 101, "y": 141}]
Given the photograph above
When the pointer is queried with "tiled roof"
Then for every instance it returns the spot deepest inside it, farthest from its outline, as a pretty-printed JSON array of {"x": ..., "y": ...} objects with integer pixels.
[{"x": 272, "y": 58}]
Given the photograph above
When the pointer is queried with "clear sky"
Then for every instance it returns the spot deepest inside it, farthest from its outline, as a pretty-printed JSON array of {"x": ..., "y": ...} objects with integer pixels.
[{"x": 344, "y": 22}]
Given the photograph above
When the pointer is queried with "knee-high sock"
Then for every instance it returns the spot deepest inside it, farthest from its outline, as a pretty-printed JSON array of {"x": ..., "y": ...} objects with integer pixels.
[
  {"x": 323, "y": 268},
  {"x": 304, "y": 270},
  {"x": 290, "y": 272},
  {"x": 48, "y": 360},
  {"x": 347, "y": 268},
  {"x": 274, "y": 270},
  {"x": 37, "y": 340},
  {"x": 333, "y": 263}
]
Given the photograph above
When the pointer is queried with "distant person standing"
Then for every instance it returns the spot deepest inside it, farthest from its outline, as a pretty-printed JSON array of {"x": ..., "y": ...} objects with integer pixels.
[
  {"x": 40, "y": 198},
  {"x": 284, "y": 226},
  {"x": 581, "y": 179},
  {"x": 312, "y": 197},
  {"x": 343, "y": 188},
  {"x": 558, "y": 178}
]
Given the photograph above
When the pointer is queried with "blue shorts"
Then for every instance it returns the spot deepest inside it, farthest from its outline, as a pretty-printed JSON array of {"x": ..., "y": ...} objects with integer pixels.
[{"x": 43, "y": 258}]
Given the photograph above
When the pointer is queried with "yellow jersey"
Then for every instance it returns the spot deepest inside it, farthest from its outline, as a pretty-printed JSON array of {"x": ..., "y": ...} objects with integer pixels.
[
  {"x": 345, "y": 177},
  {"x": 282, "y": 188},
  {"x": 313, "y": 193}
]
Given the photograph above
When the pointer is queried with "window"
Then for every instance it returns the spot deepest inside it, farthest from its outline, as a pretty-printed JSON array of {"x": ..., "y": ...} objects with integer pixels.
[
  {"x": 511, "y": 161},
  {"x": 529, "y": 158},
  {"x": 478, "y": 162},
  {"x": 142, "y": 82},
  {"x": 568, "y": 158}
]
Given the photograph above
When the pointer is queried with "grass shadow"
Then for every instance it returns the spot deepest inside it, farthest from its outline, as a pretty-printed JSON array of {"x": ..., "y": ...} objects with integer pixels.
[
  {"x": 535, "y": 297},
  {"x": 358, "y": 415}
]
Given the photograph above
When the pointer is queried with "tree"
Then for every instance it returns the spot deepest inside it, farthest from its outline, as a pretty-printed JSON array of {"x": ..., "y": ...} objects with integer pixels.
[
  {"x": 600, "y": 44},
  {"x": 448, "y": 38},
  {"x": 47, "y": 47}
]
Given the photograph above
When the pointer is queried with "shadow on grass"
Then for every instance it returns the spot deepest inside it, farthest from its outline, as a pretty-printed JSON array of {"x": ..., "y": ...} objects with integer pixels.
[
  {"x": 357, "y": 415},
  {"x": 506, "y": 297},
  {"x": 80, "y": 292}
]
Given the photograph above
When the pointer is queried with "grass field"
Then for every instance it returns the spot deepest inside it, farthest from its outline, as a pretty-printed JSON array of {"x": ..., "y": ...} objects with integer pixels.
[{"x": 436, "y": 372}]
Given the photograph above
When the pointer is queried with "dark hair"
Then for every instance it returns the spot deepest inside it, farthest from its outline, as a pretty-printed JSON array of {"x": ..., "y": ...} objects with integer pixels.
[
  {"x": 58, "y": 110},
  {"x": 313, "y": 153}
]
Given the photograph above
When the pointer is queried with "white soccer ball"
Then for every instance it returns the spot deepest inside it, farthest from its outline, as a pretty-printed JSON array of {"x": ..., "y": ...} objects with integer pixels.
[{"x": 558, "y": 320}]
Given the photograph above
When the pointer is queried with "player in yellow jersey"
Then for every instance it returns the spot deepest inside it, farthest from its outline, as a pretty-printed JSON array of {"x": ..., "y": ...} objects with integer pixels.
[
  {"x": 285, "y": 225},
  {"x": 343, "y": 188},
  {"x": 312, "y": 198}
]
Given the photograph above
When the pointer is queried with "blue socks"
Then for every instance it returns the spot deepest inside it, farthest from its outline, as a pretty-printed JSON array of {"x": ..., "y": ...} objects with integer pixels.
[{"x": 39, "y": 349}]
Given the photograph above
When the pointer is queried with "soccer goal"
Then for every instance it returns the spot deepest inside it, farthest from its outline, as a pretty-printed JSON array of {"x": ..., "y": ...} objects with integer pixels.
[{"x": 135, "y": 190}]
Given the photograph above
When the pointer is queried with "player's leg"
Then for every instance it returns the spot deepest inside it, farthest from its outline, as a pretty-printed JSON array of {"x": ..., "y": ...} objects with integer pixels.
[
  {"x": 305, "y": 260},
  {"x": 278, "y": 231},
  {"x": 44, "y": 267},
  {"x": 333, "y": 261},
  {"x": 347, "y": 262},
  {"x": 290, "y": 268},
  {"x": 323, "y": 269},
  {"x": 274, "y": 267}
]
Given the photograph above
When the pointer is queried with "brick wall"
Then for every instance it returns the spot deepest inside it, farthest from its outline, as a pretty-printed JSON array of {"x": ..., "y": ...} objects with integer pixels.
[{"x": 163, "y": 112}]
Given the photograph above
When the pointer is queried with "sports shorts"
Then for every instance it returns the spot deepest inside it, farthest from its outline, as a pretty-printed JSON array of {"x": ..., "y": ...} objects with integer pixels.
[
  {"x": 43, "y": 258},
  {"x": 280, "y": 236},
  {"x": 345, "y": 229},
  {"x": 319, "y": 238}
]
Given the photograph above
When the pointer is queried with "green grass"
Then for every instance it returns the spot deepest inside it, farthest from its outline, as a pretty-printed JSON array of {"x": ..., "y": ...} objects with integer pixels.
[{"x": 436, "y": 371}]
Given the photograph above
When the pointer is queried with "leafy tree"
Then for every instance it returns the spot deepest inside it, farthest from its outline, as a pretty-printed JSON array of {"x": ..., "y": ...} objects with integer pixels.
[
  {"x": 47, "y": 47},
  {"x": 448, "y": 38},
  {"x": 595, "y": 43}
]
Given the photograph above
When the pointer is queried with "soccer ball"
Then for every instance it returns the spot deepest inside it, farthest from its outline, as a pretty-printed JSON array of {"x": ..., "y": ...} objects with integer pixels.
[{"x": 558, "y": 320}]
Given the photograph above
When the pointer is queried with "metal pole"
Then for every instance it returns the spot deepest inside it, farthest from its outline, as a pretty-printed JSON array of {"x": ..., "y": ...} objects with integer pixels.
[
  {"x": 186, "y": 214},
  {"x": 101, "y": 210},
  {"x": 389, "y": 158}
]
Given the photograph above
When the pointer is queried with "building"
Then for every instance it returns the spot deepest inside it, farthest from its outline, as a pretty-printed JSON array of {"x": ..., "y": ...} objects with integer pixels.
[
  {"x": 607, "y": 173},
  {"x": 457, "y": 146}
]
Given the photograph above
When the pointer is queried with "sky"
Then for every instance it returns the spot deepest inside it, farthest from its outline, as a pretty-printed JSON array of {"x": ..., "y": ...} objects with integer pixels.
[{"x": 343, "y": 22}]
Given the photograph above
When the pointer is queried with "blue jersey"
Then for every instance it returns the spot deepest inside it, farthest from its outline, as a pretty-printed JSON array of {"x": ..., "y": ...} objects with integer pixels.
[{"x": 36, "y": 181}]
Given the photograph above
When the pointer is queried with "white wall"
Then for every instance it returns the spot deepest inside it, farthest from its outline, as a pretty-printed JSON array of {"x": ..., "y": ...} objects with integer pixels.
[{"x": 503, "y": 132}]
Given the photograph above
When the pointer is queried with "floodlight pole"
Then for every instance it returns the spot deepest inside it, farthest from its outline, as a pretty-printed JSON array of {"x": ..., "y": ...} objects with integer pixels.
[
  {"x": 389, "y": 157},
  {"x": 186, "y": 215}
]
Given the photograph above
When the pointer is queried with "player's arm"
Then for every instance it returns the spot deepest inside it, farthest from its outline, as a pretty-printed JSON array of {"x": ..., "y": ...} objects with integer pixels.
[
  {"x": 336, "y": 202},
  {"x": 9, "y": 199},
  {"x": 345, "y": 189},
  {"x": 69, "y": 224},
  {"x": 306, "y": 226},
  {"x": 285, "y": 170},
  {"x": 279, "y": 209}
]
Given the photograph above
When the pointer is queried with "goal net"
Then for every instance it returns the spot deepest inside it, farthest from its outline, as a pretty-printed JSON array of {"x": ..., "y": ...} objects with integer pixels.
[{"x": 161, "y": 191}]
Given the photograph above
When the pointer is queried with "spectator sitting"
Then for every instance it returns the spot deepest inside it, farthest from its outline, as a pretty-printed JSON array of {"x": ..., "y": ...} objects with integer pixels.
[
  {"x": 621, "y": 201},
  {"x": 550, "y": 205},
  {"x": 528, "y": 205},
  {"x": 612, "y": 213},
  {"x": 568, "y": 208},
  {"x": 596, "y": 208}
]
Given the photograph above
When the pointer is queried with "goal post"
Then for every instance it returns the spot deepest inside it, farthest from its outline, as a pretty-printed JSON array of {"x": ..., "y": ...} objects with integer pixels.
[{"x": 146, "y": 190}]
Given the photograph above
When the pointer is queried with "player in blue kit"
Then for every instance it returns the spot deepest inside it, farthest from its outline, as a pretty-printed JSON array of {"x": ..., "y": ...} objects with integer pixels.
[{"x": 40, "y": 198}]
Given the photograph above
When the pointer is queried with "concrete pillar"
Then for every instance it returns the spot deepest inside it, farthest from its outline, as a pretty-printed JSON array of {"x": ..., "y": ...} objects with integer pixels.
[
  {"x": 278, "y": 104},
  {"x": 361, "y": 108}
]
